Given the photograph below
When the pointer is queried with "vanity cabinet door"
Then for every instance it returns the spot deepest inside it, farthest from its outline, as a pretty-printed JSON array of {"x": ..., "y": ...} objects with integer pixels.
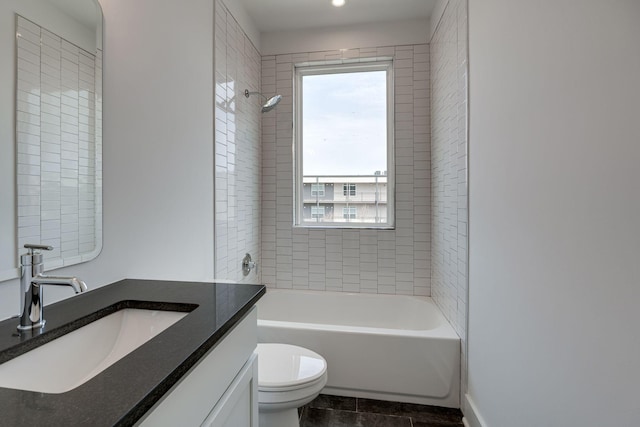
[
  {"x": 239, "y": 405},
  {"x": 191, "y": 401}
]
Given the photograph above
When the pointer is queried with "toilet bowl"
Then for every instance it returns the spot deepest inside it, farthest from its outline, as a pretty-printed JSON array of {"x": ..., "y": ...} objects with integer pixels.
[{"x": 288, "y": 377}]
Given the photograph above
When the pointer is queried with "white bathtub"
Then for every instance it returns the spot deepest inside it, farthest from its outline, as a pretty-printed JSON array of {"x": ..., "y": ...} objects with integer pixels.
[{"x": 388, "y": 347}]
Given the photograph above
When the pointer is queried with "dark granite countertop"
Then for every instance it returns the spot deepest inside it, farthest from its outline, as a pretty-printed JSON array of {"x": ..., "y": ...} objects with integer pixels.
[{"x": 122, "y": 393}]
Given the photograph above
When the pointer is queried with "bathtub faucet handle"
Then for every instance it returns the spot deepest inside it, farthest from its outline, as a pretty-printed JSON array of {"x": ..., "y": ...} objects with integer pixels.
[{"x": 247, "y": 264}]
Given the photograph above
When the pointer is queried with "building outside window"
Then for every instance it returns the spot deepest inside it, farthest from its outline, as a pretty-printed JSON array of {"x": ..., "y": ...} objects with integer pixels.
[{"x": 344, "y": 137}]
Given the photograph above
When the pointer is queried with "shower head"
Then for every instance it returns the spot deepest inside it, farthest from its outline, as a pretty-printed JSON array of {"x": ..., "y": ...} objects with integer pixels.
[{"x": 269, "y": 104}]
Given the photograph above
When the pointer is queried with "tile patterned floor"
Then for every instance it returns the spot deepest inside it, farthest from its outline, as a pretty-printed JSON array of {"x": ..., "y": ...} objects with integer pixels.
[{"x": 337, "y": 411}]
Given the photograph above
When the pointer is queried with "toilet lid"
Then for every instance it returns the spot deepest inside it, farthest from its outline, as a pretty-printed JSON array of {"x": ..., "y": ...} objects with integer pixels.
[{"x": 284, "y": 365}]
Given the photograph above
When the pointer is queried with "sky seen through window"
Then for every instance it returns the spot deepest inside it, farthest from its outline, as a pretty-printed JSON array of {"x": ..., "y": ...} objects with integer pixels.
[{"x": 344, "y": 123}]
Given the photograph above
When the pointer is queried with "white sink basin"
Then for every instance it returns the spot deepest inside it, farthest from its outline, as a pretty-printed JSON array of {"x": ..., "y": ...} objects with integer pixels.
[{"x": 69, "y": 361}]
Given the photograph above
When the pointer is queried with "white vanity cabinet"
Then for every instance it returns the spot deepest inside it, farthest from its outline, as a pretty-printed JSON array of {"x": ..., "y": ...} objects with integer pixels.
[{"x": 220, "y": 390}]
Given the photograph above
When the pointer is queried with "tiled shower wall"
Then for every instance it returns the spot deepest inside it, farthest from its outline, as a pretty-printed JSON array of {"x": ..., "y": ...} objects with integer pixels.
[
  {"x": 58, "y": 130},
  {"x": 372, "y": 261},
  {"x": 237, "y": 150},
  {"x": 449, "y": 148}
]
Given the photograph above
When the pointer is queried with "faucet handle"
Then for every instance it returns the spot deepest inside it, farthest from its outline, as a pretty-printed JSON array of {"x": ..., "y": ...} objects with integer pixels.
[
  {"x": 32, "y": 247},
  {"x": 247, "y": 265}
]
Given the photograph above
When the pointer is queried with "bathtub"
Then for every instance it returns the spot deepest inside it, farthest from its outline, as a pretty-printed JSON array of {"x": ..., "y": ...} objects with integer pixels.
[{"x": 387, "y": 347}]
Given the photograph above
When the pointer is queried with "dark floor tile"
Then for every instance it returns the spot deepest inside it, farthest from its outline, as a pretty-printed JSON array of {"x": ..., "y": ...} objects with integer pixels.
[
  {"x": 315, "y": 417},
  {"x": 366, "y": 419},
  {"x": 326, "y": 401},
  {"x": 426, "y": 413},
  {"x": 436, "y": 423}
]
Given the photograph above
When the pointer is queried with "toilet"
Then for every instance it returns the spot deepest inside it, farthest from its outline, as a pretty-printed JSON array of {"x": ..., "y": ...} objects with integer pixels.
[{"x": 288, "y": 377}]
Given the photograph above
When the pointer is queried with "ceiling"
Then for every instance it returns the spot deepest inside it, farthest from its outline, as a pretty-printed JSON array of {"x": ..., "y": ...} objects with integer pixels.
[{"x": 284, "y": 15}]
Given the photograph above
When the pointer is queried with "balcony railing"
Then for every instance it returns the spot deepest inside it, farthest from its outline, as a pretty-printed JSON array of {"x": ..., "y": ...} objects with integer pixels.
[
  {"x": 360, "y": 197},
  {"x": 345, "y": 189}
]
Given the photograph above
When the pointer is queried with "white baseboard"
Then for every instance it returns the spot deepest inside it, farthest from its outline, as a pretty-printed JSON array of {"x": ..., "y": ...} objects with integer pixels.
[{"x": 472, "y": 417}]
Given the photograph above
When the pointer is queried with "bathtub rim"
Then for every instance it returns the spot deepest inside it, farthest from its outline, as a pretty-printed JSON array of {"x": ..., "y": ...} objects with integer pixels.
[{"x": 443, "y": 331}]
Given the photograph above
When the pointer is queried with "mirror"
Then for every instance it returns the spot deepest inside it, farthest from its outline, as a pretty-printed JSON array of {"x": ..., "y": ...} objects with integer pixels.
[{"x": 50, "y": 130}]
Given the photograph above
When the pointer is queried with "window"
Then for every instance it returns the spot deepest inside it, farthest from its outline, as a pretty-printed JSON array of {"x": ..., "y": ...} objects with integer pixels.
[
  {"x": 317, "y": 211},
  {"x": 344, "y": 138},
  {"x": 349, "y": 189},
  {"x": 349, "y": 212},
  {"x": 317, "y": 189}
]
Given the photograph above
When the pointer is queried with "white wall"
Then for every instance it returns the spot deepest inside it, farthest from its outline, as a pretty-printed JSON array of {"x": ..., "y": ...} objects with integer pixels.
[
  {"x": 245, "y": 21},
  {"x": 436, "y": 15},
  {"x": 554, "y": 211},
  {"x": 350, "y": 260},
  {"x": 158, "y": 138},
  {"x": 449, "y": 146},
  {"x": 407, "y": 32},
  {"x": 448, "y": 50},
  {"x": 237, "y": 150},
  {"x": 158, "y": 147}
]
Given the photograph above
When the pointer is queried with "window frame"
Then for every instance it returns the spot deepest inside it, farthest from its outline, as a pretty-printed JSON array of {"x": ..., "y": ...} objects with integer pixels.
[
  {"x": 347, "y": 189},
  {"x": 349, "y": 212},
  {"x": 324, "y": 211},
  {"x": 341, "y": 67}
]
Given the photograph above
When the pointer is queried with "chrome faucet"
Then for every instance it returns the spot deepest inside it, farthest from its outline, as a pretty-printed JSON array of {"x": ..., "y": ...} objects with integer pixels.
[{"x": 31, "y": 280}]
